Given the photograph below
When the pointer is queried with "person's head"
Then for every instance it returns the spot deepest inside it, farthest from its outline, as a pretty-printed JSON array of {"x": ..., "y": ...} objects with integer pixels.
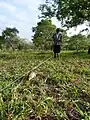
[{"x": 57, "y": 30}]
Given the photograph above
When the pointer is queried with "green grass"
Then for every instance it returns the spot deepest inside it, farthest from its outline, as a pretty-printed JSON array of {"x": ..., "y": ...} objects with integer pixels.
[{"x": 59, "y": 84}]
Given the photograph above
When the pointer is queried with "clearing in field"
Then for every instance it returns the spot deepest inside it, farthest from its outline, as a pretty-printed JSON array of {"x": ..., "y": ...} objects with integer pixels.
[{"x": 59, "y": 89}]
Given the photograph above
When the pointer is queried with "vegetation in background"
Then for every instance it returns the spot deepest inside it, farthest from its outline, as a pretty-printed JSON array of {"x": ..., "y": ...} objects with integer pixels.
[
  {"x": 42, "y": 39},
  {"x": 43, "y": 34},
  {"x": 10, "y": 39},
  {"x": 70, "y": 13},
  {"x": 78, "y": 42}
]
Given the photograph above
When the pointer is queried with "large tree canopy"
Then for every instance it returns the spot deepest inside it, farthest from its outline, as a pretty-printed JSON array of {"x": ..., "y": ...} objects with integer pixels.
[
  {"x": 69, "y": 12},
  {"x": 9, "y": 36},
  {"x": 10, "y": 39},
  {"x": 43, "y": 34},
  {"x": 8, "y": 33}
]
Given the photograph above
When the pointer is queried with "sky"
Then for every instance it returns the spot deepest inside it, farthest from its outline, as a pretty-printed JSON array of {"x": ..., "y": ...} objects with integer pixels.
[{"x": 23, "y": 14}]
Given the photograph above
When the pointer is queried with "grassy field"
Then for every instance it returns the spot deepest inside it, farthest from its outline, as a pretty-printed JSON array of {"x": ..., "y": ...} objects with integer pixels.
[{"x": 60, "y": 89}]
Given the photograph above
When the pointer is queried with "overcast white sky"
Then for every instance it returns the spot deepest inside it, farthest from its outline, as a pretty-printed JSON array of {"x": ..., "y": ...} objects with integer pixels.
[{"x": 22, "y": 14}]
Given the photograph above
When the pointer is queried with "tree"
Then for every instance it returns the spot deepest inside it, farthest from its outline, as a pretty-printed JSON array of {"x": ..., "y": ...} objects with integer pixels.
[
  {"x": 10, "y": 39},
  {"x": 1, "y": 42},
  {"x": 69, "y": 12},
  {"x": 88, "y": 38},
  {"x": 23, "y": 44},
  {"x": 9, "y": 36},
  {"x": 65, "y": 40},
  {"x": 43, "y": 34},
  {"x": 78, "y": 42}
]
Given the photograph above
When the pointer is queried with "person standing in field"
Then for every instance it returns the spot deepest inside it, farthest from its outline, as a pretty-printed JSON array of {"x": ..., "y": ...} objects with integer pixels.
[{"x": 57, "y": 41}]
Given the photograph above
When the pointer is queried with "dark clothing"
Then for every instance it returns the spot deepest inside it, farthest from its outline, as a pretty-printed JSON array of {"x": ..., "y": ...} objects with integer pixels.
[
  {"x": 56, "y": 48},
  {"x": 57, "y": 41},
  {"x": 57, "y": 38}
]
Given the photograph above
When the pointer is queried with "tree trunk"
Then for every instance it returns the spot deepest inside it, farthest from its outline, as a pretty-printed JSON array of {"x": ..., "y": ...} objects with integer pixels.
[
  {"x": 89, "y": 50},
  {"x": 76, "y": 48}
]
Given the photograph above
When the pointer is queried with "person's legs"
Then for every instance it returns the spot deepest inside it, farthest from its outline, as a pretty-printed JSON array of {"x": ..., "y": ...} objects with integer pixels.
[
  {"x": 54, "y": 50},
  {"x": 57, "y": 54},
  {"x": 58, "y": 50},
  {"x": 54, "y": 55}
]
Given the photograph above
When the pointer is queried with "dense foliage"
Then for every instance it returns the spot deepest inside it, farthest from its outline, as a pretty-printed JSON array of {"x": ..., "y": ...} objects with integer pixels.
[
  {"x": 42, "y": 38},
  {"x": 10, "y": 39},
  {"x": 43, "y": 34},
  {"x": 78, "y": 42},
  {"x": 69, "y": 12}
]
